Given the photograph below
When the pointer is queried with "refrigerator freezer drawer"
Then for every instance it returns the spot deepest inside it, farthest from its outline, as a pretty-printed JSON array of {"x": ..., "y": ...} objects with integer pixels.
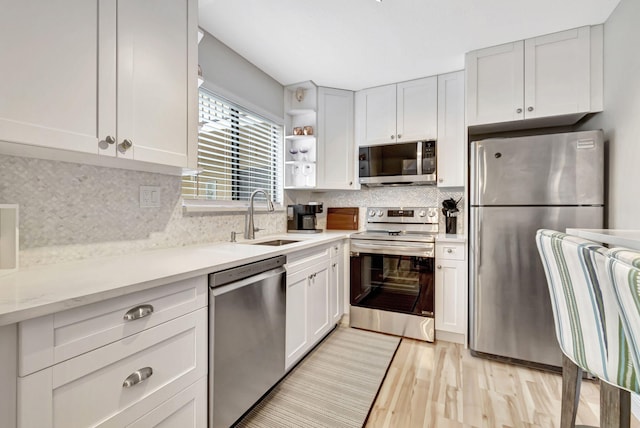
[{"x": 510, "y": 311}]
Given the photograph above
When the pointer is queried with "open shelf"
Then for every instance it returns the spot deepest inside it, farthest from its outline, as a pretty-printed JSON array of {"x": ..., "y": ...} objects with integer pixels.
[{"x": 300, "y": 137}]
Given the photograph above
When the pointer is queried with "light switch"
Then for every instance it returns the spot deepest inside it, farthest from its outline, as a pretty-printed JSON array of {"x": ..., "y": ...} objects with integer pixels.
[{"x": 149, "y": 196}]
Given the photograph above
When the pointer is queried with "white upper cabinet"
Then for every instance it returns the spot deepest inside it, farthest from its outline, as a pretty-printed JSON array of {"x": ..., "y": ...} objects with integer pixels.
[
  {"x": 451, "y": 130},
  {"x": 376, "y": 115},
  {"x": 397, "y": 113},
  {"x": 50, "y": 61},
  {"x": 495, "y": 84},
  {"x": 558, "y": 74},
  {"x": 156, "y": 79},
  {"x": 86, "y": 75},
  {"x": 417, "y": 110},
  {"x": 336, "y": 150}
]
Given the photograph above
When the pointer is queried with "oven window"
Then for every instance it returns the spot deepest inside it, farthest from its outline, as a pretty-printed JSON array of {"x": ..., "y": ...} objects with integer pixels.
[{"x": 393, "y": 283}]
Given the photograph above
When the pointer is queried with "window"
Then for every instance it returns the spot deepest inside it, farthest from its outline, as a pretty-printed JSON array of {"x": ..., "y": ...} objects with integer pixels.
[{"x": 238, "y": 152}]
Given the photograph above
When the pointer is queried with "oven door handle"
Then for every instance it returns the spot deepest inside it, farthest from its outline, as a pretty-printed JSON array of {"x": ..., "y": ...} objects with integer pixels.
[{"x": 393, "y": 249}]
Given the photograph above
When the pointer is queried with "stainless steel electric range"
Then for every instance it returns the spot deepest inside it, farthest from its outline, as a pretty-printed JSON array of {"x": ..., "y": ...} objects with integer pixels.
[{"x": 392, "y": 272}]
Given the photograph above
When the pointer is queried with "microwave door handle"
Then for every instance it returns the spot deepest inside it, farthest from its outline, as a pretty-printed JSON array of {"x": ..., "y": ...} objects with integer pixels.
[{"x": 419, "y": 156}]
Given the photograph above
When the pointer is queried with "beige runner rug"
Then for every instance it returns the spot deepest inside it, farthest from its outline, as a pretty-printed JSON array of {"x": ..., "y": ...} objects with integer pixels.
[{"x": 334, "y": 386}]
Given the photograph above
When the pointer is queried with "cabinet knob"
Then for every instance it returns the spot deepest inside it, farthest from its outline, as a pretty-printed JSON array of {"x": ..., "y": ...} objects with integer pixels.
[
  {"x": 519, "y": 110},
  {"x": 441, "y": 180},
  {"x": 439, "y": 266},
  {"x": 530, "y": 108},
  {"x": 334, "y": 266},
  {"x": 393, "y": 137},
  {"x": 449, "y": 250},
  {"x": 125, "y": 145},
  {"x": 104, "y": 144},
  {"x": 350, "y": 183},
  {"x": 399, "y": 136}
]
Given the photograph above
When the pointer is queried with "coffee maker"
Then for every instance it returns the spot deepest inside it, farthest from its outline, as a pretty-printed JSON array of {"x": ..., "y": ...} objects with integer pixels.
[{"x": 302, "y": 218}]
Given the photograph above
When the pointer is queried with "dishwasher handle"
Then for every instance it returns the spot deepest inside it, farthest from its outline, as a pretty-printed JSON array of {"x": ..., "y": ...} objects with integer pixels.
[
  {"x": 217, "y": 291},
  {"x": 239, "y": 273}
]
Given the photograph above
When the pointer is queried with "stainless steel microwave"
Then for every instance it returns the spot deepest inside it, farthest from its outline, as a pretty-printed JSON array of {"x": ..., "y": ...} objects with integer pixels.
[{"x": 404, "y": 163}]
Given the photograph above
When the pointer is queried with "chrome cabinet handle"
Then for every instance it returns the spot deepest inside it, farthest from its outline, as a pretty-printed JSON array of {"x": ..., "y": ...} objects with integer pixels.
[
  {"x": 110, "y": 139},
  {"x": 138, "y": 312},
  {"x": 393, "y": 136},
  {"x": 441, "y": 180},
  {"x": 519, "y": 110},
  {"x": 439, "y": 266},
  {"x": 334, "y": 266},
  {"x": 137, "y": 377},
  {"x": 125, "y": 145},
  {"x": 399, "y": 136},
  {"x": 530, "y": 109},
  {"x": 449, "y": 250}
]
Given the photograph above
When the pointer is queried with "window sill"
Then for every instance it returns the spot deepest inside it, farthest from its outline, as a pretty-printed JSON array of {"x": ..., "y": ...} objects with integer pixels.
[{"x": 197, "y": 206}]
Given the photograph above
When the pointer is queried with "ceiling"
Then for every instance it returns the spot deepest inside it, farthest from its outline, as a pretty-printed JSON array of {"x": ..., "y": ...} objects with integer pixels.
[{"x": 355, "y": 44}]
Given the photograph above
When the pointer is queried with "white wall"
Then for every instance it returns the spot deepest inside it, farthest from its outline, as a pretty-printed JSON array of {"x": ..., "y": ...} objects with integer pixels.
[
  {"x": 621, "y": 120},
  {"x": 233, "y": 77},
  {"x": 621, "y": 117}
]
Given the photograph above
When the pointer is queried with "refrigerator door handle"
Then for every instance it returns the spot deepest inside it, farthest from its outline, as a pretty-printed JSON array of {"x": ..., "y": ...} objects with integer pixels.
[
  {"x": 477, "y": 227},
  {"x": 477, "y": 171}
]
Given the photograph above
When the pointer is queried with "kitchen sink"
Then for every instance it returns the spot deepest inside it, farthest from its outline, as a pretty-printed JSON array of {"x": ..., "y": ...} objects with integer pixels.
[{"x": 276, "y": 242}]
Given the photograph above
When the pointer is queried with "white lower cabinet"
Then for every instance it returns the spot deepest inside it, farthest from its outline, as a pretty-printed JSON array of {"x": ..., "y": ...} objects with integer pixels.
[
  {"x": 101, "y": 388},
  {"x": 336, "y": 284},
  {"x": 149, "y": 370},
  {"x": 451, "y": 292},
  {"x": 312, "y": 295},
  {"x": 187, "y": 408}
]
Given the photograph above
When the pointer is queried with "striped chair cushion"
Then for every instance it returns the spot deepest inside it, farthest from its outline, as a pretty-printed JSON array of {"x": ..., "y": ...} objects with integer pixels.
[
  {"x": 623, "y": 269},
  {"x": 587, "y": 323}
]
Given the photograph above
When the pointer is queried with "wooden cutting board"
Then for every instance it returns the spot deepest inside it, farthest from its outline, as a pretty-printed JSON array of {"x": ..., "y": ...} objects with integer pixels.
[{"x": 343, "y": 218}]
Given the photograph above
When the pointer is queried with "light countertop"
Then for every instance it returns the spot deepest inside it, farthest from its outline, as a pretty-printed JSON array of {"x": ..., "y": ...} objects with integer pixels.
[
  {"x": 32, "y": 292},
  {"x": 612, "y": 237}
]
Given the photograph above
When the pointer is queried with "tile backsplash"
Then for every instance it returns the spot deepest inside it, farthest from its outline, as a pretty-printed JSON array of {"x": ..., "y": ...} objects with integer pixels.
[
  {"x": 72, "y": 211},
  {"x": 428, "y": 196}
]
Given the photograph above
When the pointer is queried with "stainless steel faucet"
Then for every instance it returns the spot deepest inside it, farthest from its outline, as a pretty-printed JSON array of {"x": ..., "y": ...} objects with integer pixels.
[{"x": 249, "y": 229}]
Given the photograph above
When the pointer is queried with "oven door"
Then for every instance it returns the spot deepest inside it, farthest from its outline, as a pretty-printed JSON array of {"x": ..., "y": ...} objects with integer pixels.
[{"x": 393, "y": 276}]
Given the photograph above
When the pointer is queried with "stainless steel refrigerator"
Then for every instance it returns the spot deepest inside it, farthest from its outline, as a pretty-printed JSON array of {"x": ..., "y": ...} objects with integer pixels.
[{"x": 520, "y": 185}]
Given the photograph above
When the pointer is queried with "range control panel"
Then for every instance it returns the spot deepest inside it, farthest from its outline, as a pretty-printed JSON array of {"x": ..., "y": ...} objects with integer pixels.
[{"x": 417, "y": 215}]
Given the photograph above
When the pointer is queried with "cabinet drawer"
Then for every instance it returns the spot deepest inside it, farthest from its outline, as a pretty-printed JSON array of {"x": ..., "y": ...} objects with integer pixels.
[
  {"x": 51, "y": 339},
  {"x": 90, "y": 390},
  {"x": 187, "y": 409},
  {"x": 305, "y": 258},
  {"x": 453, "y": 251}
]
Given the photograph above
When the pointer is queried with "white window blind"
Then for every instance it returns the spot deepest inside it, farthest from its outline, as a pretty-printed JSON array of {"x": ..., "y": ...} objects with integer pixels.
[{"x": 238, "y": 152}]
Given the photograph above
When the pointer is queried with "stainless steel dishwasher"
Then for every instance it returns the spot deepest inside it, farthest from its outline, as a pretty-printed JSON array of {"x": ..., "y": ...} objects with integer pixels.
[{"x": 246, "y": 337}]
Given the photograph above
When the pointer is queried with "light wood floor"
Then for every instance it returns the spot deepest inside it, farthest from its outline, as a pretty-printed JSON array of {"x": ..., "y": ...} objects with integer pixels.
[{"x": 441, "y": 385}]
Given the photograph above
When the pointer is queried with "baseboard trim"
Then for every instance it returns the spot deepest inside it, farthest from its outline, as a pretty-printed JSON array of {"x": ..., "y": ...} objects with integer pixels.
[{"x": 448, "y": 336}]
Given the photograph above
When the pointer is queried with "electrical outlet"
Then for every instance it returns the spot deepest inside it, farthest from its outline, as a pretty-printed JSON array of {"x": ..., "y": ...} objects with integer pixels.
[{"x": 149, "y": 196}]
